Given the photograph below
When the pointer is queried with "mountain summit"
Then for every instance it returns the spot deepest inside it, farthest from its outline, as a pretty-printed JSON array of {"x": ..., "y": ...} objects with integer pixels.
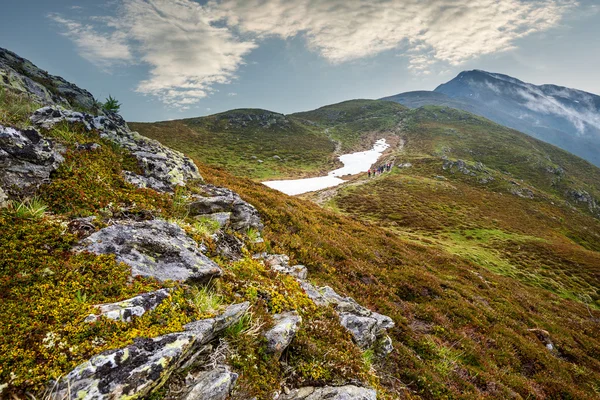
[{"x": 565, "y": 117}]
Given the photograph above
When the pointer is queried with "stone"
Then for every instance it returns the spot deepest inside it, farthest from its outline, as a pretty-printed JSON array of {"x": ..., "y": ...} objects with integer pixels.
[
  {"x": 281, "y": 334},
  {"x": 216, "y": 199},
  {"x": 544, "y": 337},
  {"x": 3, "y": 198},
  {"x": 348, "y": 392},
  {"x": 154, "y": 248},
  {"x": 135, "y": 371},
  {"x": 366, "y": 326},
  {"x": 20, "y": 75},
  {"x": 163, "y": 168},
  {"x": 127, "y": 309},
  {"x": 82, "y": 227},
  {"x": 384, "y": 346},
  {"x": 215, "y": 384},
  {"x": 88, "y": 147},
  {"x": 26, "y": 161},
  {"x": 229, "y": 246},
  {"x": 280, "y": 263},
  {"x": 222, "y": 218}
]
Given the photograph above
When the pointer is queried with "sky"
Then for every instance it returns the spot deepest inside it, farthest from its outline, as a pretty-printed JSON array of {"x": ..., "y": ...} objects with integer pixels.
[{"x": 172, "y": 59}]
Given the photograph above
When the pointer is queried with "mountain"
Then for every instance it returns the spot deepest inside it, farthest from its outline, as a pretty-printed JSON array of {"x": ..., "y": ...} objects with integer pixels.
[
  {"x": 129, "y": 269},
  {"x": 567, "y": 118}
]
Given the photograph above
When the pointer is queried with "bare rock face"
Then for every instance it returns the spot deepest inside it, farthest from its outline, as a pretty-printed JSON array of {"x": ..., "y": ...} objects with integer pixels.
[
  {"x": 280, "y": 336},
  {"x": 216, "y": 199},
  {"x": 135, "y": 371},
  {"x": 215, "y": 384},
  {"x": 154, "y": 248},
  {"x": 281, "y": 264},
  {"x": 127, "y": 309},
  {"x": 348, "y": 392},
  {"x": 21, "y": 75},
  {"x": 26, "y": 161},
  {"x": 3, "y": 198},
  {"x": 163, "y": 168}
]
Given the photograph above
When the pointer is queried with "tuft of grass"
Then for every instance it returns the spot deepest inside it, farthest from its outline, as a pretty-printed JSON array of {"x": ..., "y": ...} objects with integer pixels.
[
  {"x": 15, "y": 108},
  {"x": 30, "y": 209},
  {"x": 205, "y": 300}
]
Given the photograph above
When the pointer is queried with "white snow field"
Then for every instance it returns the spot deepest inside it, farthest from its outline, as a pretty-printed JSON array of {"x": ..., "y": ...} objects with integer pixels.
[{"x": 354, "y": 163}]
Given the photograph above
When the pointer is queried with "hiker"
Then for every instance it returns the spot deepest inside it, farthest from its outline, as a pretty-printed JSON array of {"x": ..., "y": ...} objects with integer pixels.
[{"x": 369, "y": 173}]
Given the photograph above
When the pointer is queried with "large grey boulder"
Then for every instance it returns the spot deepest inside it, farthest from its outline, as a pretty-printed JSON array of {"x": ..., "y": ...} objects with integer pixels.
[
  {"x": 281, "y": 334},
  {"x": 20, "y": 75},
  {"x": 155, "y": 248},
  {"x": 214, "y": 199},
  {"x": 348, "y": 392},
  {"x": 135, "y": 371},
  {"x": 215, "y": 384},
  {"x": 26, "y": 161},
  {"x": 127, "y": 309},
  {"x": 163, "y": 168},
  {"x": 367, "y": 327}
]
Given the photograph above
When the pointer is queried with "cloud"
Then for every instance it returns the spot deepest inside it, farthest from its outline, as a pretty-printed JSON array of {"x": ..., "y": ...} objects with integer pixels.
[
  {"x": 452, "y": 31},
  {"x": 191, "y": 47},
  {"x": 102, "y": 49}
]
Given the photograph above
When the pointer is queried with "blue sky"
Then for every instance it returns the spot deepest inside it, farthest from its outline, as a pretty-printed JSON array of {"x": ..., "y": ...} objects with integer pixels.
[{"x": 170, "y": 59}]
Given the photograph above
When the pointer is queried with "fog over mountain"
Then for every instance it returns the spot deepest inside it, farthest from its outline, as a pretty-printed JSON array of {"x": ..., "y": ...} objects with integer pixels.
[{"x": 565, "y": 117}]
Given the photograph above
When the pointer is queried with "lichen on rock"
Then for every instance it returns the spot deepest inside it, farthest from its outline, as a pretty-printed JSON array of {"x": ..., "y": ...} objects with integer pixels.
[{"x": 155, "y": 248}]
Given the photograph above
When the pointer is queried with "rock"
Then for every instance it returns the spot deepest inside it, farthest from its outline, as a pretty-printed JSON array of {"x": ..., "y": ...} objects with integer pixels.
[
  {"x": 280, "y": 336},
  {"x": 384, "y": 346},
  {"x": 153, "y": 248},
  {"x": 22, "y": 76},
  {"x": 88, "y": 147},
  {"x": 280, "y": 263},
  {"x": 582, "y": 196},
  {"x": 216, "y": 199},
  {"x": 229, "y": 246},
  {"x": 163, "y": 168},
  {"x": 366, "y": 326},
  {"x": 405, "y": 165},
  {"x": 26, "y": 161},
  {"x": 215, "y": 384},
  {"x": 3, "y": 198},
  {"x": 348, "y": 392},
  {"x": 142, "y": 367},
  {"x": 276, "y": 158},
  {"x": 222, "y": 218},
  {"x": 522, "y": 192},
  {"x": 82, "y": 227},
  {"x": 543, "y": 337},
  {"x": 127, "y": 309},
  {"x": 207, "y": 329}
]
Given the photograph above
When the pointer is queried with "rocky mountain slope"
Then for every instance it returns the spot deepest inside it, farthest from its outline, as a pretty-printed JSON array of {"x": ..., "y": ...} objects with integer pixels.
[
  {"x": 567, "y": 118},
  {"x": 124, "y": 275},
  {"x": 129, "y": 270}
]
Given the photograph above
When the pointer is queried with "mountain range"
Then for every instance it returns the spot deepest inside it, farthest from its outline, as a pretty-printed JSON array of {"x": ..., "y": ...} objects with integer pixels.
[{"x": 567, "y": 118}]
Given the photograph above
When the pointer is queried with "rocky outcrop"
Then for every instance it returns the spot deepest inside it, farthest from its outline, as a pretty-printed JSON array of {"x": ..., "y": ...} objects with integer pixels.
[
  {"x": 281, "y": 264},
  {"x": 281, "y": 334},
  {"x": 127, "y": 309},
  {"x": 215, "y": 384},
  {"x": 476, "y": 169},
  {"x": 348, "y": 392},
  {"x": 216, "y": 199},
  {"x": 163, "y": 168},
  {"x": 153, "y": 248},
  {"x": 138, "y": 369},
  {"x": 26, "y": 161},
  {"x": 22, "y": 76},
  {"x": 262, "y": 118},
  {"x": 584, "y": 197},
  {"x": 367, "y": 327}
]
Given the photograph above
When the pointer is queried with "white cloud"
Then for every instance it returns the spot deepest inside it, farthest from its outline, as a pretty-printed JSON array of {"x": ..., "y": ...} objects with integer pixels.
[
  {"x": 231, "y": 94},
  {"x": 102, "y": 49},
  {"x": 192, "y": 47},
  {"x": 453, "y": 31}
]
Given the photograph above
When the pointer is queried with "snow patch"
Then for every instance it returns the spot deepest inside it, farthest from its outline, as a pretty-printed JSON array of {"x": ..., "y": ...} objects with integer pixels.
[{"x": 354, "y": 163}]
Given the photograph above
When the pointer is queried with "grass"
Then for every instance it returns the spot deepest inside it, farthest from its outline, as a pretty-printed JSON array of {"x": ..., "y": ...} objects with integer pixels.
[
  {"x": 30, "y": 209},
  {"x": 15, "y": 108}
]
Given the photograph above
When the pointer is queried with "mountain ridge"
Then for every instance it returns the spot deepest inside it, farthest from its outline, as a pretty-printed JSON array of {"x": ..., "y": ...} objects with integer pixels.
[{"x": 568, "y": 118}]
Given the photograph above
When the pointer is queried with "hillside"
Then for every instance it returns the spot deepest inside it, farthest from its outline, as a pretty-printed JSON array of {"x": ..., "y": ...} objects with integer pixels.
[
  {"x": 565, "y": 117},
  {"x": 128, "y": 270},
  {"x": 261, "y": 144}
]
